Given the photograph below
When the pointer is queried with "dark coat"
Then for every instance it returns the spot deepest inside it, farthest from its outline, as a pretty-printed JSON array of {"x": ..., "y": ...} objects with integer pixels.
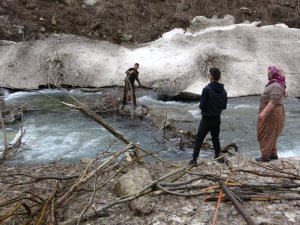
[
  {"x": 132, "y": 76},
  {"x": 213, "y": 100}
]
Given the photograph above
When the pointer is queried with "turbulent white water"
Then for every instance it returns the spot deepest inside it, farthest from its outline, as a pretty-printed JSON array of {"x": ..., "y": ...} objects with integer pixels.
[{"x": 55, "y": 133}]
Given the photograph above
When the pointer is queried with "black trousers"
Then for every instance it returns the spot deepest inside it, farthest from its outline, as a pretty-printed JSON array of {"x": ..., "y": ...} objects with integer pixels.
[
  {"x": 212, "y": 125},
  {"x": 126, "y": 90}
]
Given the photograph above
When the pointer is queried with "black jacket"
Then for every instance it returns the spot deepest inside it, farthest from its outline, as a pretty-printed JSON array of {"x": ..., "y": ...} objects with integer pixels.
[
  {"x": 133, "y": 75},
  {"x": 213, "y": 100}
]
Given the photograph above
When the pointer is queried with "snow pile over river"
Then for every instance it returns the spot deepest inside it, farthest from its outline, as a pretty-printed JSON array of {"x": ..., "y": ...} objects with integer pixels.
[{"x": 176, "y": 62}]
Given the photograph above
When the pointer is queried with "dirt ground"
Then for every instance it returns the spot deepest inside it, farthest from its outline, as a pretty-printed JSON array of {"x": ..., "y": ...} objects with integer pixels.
[
  {"x": 27, "y": 184},
  {"x": 130, "y": 20}
]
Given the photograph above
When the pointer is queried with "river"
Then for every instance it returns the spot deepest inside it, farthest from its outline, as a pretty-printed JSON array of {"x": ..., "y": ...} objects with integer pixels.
[{"x": 54, "y": 132}]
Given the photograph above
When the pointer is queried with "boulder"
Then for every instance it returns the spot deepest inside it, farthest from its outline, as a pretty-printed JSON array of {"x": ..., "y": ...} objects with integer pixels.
[
  {"x": 131, "y": 183},
  {"x": 139, "y": 111},
  {"x": 90, "y": 2},
  {"x": 13, "y": 115}
]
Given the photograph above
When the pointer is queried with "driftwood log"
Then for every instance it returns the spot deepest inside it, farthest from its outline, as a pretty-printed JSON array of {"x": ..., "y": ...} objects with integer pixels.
[{"x": 236, "y": 204}]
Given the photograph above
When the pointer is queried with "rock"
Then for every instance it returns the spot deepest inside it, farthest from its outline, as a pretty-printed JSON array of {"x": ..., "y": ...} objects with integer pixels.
[
  {"x": 53, "y": 20},
  {"x": 90, "y": 2},
  {"x": 96, "y": 24},
  {"x": 42, "y": 29},
  {"x": 162, "y": 122},
  {"x": 131, "y": 183},
  {"x": 246, "y": 10},
  {"x": 41, "y": 19},
  {"x": 86, "y": 160},
  {"x": 139, "y": 111},
  {"x": 20, "y": 29},
  {"x": 13, "y": 115},
  {"x": 127, "y": 37}
]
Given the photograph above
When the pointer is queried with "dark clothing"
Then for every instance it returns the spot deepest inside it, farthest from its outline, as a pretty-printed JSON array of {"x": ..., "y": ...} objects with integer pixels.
[
  {"x": 132, "y": 76},
  {"x": 213, "y": 101},
  {"x": 212, "y": 125}
]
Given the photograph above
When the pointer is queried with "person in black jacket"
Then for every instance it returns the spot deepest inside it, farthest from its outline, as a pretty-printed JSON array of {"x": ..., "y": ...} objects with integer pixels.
[
  {"x": 132, "y": 76},
  {"x": 213, "y": 101}
]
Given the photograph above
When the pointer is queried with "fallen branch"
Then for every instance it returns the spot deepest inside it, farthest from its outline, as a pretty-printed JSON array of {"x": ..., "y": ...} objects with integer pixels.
[
  {"x": 124, "y": 199},
  {"x": 88, "y": 176},
  {"x": 236, "y": 204}
]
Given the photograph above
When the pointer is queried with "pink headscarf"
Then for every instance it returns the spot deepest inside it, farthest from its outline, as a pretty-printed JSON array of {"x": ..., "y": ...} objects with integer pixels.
[{"x": 276, "y": 76}]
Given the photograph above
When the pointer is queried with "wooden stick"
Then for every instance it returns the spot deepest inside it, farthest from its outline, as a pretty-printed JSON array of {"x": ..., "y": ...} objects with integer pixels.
[
  {"x": 236, "y": 204},
  {"x": 219, "y": 202}
]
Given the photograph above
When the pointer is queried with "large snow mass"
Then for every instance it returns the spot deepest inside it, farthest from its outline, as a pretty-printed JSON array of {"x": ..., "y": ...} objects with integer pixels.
[{"x": 177, "y": 62}]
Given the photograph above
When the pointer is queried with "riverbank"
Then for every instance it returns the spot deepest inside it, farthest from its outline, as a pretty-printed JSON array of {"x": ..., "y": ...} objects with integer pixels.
[{"x": 273, "y": 201}]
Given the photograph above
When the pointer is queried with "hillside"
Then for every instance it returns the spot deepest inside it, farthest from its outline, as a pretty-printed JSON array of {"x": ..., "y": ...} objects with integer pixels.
[{"x": 130, "y": 20}]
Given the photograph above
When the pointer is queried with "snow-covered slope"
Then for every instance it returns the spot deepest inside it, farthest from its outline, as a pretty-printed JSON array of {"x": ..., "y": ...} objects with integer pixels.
[{"x": 178, "y": 61}]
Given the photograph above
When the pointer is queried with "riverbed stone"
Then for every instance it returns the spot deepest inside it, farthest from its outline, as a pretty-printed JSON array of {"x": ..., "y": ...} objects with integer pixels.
[
  {"x": 131, "y": 183},
  {"x": 13, "y": 115},
  {"x": 139, "y": 111}
]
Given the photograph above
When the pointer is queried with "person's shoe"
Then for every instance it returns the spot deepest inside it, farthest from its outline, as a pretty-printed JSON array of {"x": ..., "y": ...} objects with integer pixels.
[
  {"x": 261, "y": 159},
  {"x": 274, "y": 156},
  {"x": 193, "y": 162}
]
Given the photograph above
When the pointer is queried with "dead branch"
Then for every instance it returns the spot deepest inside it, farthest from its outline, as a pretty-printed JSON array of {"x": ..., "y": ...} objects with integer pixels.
[
  {"x": 236, "y": 204},
  {"x": 91, "y": 198},
  {"x": 38, "y": 179},
  {"x": 88, "y": 176},
  {"x": 180, "y": 194},
  {"x": 263, "y": 198},
  {"x": 124, "y": 199},
  {"x": 291, "y": 177}
]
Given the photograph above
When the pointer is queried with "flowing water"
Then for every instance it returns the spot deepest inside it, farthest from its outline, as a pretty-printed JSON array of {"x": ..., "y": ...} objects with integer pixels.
[{"x": 54, "y": 132}]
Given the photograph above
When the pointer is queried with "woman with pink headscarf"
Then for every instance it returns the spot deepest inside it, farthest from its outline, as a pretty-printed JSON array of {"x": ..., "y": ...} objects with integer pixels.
[{"x": 271, "y": 115}]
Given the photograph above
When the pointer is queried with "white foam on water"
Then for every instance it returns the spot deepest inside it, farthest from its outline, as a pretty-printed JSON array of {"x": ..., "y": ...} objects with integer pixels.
[
  {"x": 245, "y": 106},
  {"x": 195, "y": 113},
  {"x": 22, "y": 94},
  {"x": 295, "y": 153},
  {"x": 149, "y": 99},
  {"x": 54, "y": 142}
]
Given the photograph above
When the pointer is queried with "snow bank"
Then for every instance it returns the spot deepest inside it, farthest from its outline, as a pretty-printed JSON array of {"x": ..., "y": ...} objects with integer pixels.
[{"x": 177, "y": 62}]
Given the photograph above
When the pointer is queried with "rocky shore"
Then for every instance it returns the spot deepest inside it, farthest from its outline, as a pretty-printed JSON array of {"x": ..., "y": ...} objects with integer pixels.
[{"x": 272, "y": 202}]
